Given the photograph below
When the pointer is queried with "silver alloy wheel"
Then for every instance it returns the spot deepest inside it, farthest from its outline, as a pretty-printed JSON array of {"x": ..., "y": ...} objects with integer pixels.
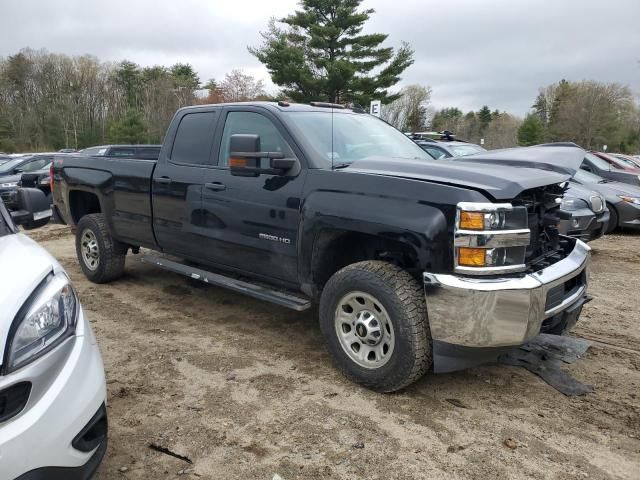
[
  {"x": 89, "y": 249},
  {"x": 364, "y": 330}
]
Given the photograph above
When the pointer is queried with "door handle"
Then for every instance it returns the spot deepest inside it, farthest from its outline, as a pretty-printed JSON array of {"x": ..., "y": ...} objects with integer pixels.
[
  {"x": 217, "y": 186},
  {"x": 163, "y": 180}
]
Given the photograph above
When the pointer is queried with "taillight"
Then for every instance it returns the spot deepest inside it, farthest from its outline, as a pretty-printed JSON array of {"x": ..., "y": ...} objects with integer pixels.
[{"x": 51, "y": 177}]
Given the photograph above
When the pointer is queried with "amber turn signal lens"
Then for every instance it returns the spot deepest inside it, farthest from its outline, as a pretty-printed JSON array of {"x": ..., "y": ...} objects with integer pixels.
[
  {"x": 472, "y": 257},
  {"x": 237, "y": 162},
  {"x": 472, "y": 220}
]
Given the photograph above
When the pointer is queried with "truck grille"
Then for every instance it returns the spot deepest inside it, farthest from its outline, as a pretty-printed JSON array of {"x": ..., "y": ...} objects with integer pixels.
[{"x": 543, "y": 204}]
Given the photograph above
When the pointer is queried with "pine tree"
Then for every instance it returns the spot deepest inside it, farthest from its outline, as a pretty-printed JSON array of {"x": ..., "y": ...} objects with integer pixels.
[
  {"x": 485, "y": 117},
  {"x": 321, "y": 54},
  {"x": 130, "y": 129},
  {"x": 531, "y": 132}
]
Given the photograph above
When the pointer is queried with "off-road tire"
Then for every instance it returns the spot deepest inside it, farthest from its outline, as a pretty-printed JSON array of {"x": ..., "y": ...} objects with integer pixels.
[
  {"x": 613, "y": 219},
  {"x": 403, "y": 299},
  {"x": 111, "y": 253}
]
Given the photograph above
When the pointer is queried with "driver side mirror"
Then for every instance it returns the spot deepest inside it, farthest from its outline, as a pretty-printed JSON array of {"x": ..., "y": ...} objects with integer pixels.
[
  {"x": 245, "y": 158},
  {"x": 33, "y": 210}
]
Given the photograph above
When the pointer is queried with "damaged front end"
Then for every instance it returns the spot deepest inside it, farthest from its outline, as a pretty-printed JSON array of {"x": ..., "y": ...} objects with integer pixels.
[{"x": 538, "y": 283}]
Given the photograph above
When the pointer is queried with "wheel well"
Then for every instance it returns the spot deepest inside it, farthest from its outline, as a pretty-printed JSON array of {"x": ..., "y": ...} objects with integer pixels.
[
  {"x": 82, "y": 203},
  {"x": 336, "y": 249},
  {"x": 612, "y": 210}
]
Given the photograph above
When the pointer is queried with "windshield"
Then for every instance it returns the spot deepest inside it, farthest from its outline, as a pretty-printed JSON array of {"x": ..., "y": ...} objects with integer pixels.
[
  {"x": 8, "y": 167},
  {"x": 626, "y": 161},
  {"x": 598, "y": 162},
  {"x": 464, "y": 150},
  {"x": 583, "y": 176},
  {"x": 345, "y": 138}
]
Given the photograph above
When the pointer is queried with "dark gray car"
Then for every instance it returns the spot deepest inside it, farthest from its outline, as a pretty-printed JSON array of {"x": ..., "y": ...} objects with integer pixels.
[
  {"x": 594, "y": 164},
  {"x": 623, "y": 200},
  {"x": 589, "y": 214}
]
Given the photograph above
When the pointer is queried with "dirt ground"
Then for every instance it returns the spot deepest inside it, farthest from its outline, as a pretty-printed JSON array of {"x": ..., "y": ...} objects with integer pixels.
[{"x": 246, "y": 390}]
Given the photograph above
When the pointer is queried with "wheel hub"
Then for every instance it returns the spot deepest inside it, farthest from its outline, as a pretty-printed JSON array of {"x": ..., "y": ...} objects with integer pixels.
[
  {"x": 89, "y": 249},
  {"x": 364, "y": 329},
  {"x": 367, "y": 328}
]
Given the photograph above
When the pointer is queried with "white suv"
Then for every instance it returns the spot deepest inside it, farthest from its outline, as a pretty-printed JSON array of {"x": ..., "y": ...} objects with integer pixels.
[{"x": 53, "y": 421}]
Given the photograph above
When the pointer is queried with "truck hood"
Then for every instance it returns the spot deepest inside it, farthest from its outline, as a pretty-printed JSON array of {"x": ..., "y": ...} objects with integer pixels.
[
  {"x": 24, "y": 265},
  {"x": 502, "y": 174}
]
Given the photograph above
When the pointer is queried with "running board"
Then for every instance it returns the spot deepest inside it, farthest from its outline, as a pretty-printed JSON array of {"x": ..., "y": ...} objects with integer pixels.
[{"x": 253, "y": 290}]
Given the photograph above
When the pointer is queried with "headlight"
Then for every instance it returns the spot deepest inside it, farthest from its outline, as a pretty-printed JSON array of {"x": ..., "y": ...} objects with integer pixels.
[
  {"x": 634, "y": 200},
  {"x": 490, "y": 238},
  {"x": 571, "y": 204},
  {"x": 44, "y": 322},
  {"x": 9, "y": 184},
  {"x": 44, "y": 181}
]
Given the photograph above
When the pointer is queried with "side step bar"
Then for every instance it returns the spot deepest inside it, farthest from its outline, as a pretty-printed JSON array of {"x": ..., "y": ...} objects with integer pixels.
[{"x": 253, "y": 290}]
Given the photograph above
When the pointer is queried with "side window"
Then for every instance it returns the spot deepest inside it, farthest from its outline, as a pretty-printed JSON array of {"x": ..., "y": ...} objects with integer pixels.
[
  {"x": 193, "y": 138},
  {"x": 252, "y": 123},
  {"x": 34, "y": 165},
  {"x": 121, "y": 152}
]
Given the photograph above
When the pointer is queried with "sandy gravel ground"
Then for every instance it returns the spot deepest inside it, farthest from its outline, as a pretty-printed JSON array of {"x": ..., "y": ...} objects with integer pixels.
[{"x": 246, "y": 390}]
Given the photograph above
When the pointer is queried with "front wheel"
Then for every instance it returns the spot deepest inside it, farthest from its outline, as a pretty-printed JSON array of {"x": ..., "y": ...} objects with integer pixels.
[
  {"x": 101, "y": 257},
  {"x": 374, "y": 320}
]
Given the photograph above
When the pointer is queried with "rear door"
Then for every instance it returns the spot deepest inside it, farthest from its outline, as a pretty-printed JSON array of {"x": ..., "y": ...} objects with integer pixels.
[
  {"x": 178, "y": 180},
  {"x": 251, "y": 223}
]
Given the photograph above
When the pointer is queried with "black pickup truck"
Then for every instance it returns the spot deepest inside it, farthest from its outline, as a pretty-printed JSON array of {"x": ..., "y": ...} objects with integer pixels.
[{"x": 416, "y": 264}]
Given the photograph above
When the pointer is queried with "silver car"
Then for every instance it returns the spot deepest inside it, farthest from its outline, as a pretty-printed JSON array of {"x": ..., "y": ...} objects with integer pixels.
[{"x": 53, "y": 420}]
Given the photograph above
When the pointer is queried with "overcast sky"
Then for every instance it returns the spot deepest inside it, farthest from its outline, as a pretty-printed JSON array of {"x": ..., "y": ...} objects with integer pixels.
[{"x": 471, "y": 52}]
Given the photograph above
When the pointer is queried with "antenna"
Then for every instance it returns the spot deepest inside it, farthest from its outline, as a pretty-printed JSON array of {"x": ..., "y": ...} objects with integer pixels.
[{"x": 332, "y": 150}]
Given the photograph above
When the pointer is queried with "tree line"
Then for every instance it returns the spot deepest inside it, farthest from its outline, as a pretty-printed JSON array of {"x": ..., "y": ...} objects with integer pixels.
[
  {"x": 589, "y": 113},
  {"x": 318, "y": 53},
  {"x": 50, "y": 101}
]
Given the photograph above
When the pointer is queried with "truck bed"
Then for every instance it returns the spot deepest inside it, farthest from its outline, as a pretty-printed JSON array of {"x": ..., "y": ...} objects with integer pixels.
[{"x": 123, "y": 186}]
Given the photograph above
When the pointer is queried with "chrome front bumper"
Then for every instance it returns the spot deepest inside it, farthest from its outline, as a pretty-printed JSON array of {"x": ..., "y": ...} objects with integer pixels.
[{"x": 499, "y": 312}]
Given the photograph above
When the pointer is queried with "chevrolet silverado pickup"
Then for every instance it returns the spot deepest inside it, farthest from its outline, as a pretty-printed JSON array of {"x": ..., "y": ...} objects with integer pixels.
[{"x": 416, "y": 264}]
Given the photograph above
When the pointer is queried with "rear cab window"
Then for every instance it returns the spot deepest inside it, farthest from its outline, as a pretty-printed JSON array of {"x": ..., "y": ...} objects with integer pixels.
[{"x": 194, "y": 138}]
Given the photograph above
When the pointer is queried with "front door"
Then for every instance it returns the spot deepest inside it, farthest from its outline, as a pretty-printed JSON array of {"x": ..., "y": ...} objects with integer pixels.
[{"x": 251, "y": 223}]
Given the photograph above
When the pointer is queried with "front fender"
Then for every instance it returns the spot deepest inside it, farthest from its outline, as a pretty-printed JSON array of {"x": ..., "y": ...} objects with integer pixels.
[{"x": 416, "y": 213}]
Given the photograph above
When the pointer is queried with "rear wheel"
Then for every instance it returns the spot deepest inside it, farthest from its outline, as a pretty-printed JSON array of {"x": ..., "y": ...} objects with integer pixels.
[
  {"x": 613, "y": 219},
  {"x": 101, "y": 257},
  {"x": 373, "y": 317}
]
